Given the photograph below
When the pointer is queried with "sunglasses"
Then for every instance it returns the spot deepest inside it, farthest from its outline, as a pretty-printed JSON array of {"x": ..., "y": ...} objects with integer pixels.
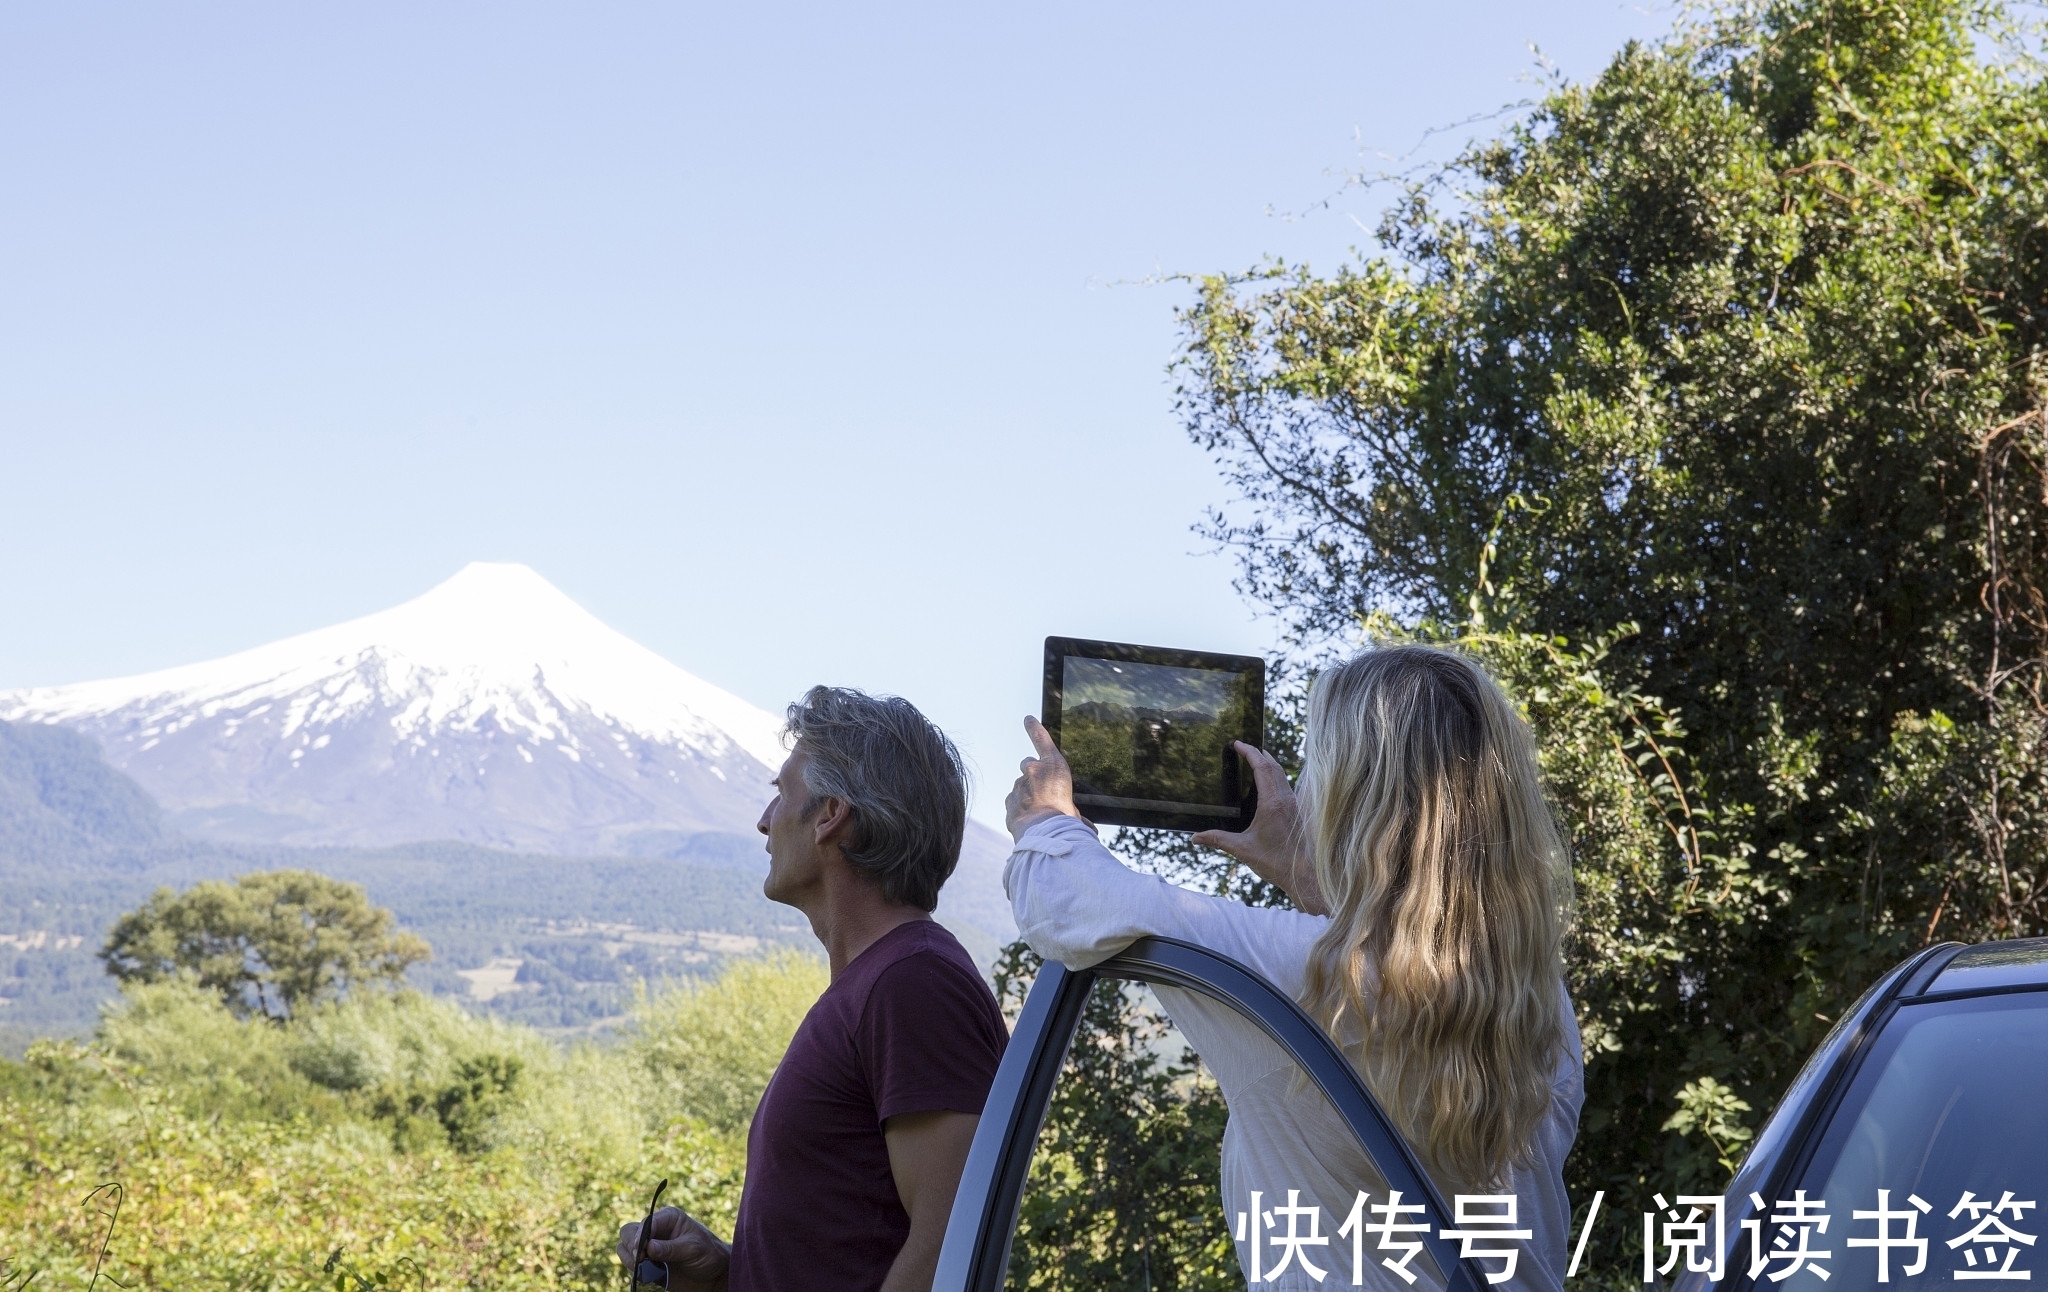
[{"x": 644, "y": 1270}]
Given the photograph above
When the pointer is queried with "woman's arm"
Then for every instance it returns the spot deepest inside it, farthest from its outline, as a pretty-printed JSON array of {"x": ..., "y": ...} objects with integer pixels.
[
  {"x": 1275, "y": 847},
  {"x": 1077, "y": 904}
]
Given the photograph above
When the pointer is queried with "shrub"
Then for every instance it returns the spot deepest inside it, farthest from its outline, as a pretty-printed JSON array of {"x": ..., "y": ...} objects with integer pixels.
[
  {"x": 710, "y": 1048},
  {"x": 428, "y": 1147}
]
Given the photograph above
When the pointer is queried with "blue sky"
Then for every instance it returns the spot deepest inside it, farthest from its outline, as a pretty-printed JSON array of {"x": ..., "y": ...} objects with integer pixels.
[{"x": 800, "y": 343}]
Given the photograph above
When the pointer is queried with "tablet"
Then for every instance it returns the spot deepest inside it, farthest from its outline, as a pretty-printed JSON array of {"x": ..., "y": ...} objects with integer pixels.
[{"x": 1148, "y": 731}]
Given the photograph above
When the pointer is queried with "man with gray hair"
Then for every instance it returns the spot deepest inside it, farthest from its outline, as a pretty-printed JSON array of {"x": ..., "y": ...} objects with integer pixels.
[{"x": 857, "y": 1146}]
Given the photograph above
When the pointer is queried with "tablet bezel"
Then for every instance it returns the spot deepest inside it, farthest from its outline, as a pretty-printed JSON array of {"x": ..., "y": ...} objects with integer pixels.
[{"x": 1059, "y": 649}]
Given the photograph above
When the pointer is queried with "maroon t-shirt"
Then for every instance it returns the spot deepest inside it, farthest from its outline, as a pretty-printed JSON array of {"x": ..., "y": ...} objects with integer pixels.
[{"x": 908, "y": 1027}]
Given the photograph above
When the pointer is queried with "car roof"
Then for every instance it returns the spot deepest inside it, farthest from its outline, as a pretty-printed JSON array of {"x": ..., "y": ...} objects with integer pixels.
[{"x": 2020, "y": 963}]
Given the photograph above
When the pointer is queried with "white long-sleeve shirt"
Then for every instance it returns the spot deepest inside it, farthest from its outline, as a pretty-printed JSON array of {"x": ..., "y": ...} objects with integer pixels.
[{"x": 1077, "y": 904}]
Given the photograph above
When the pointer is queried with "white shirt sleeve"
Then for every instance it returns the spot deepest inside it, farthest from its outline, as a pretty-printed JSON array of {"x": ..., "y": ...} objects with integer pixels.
[{"x": 1077, "y": 904}]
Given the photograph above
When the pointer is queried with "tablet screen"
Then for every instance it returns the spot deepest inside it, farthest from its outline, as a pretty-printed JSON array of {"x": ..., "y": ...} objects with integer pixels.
[{"x": 1148, "y": 731}]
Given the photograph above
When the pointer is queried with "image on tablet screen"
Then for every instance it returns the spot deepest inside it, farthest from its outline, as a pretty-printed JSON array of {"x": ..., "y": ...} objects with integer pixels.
[{"x": 1151, "y": 736}]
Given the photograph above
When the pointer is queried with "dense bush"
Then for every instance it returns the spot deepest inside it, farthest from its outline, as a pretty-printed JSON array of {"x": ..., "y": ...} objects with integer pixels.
[
  {"x": 713, "y": 1046},
  {"x": 426, "y": 1145}
]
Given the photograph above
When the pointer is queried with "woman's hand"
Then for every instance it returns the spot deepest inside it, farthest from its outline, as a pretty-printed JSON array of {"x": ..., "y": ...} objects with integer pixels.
[
  {"x": 1275, "y": 847},
  {"x": 1045, "y": 790}
]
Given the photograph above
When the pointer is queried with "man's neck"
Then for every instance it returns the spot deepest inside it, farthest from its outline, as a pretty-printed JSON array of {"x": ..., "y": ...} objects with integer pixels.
[{"x": 850, "y": 915}]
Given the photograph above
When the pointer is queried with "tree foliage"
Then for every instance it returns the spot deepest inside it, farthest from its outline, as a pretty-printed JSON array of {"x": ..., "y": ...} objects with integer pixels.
[
  {"x": 711, "y": 1046},
  {"x": 1706, "y": 404},
  {"x": 273, "y": 942},
  {"x": 432, "y": 1147}
]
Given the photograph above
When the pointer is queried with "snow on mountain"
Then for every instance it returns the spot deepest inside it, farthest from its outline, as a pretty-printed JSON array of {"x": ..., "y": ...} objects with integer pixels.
[{"x": 493, "y": 709}]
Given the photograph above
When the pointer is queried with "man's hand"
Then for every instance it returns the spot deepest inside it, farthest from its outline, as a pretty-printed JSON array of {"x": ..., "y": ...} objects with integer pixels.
[
  {"x": 1045, "y": 790},
  {"x": 926, "y": 1154},
  {"x": 697, "y": 1261},
  {"x": 1276, "y": 848}
]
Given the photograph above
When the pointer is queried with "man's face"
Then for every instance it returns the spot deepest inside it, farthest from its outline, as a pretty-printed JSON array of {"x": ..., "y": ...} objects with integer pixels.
[{"x": 793, "y": 854}]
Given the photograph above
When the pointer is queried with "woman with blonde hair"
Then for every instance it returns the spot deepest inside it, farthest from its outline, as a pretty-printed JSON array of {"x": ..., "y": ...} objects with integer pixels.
[{"x": 1432, "y": 888}]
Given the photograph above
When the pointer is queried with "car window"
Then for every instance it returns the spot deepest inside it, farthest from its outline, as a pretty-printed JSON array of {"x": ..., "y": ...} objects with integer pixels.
[
  {"x": 1056, "y": 1151},
  {"x": 1127, "y": 1185},
  {"x": 1948, "y": 1103},
  {"x": 1122, "y": 1182}
]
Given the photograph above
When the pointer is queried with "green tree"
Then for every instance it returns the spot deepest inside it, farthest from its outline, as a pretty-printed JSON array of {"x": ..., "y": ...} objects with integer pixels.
[
  {"x": 1706, "y": 403},
  {"x": 272, "y": 942}
]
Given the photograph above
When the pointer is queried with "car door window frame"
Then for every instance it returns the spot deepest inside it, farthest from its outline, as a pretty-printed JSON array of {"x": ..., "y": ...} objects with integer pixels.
[{"x": 983, "y": 1223}]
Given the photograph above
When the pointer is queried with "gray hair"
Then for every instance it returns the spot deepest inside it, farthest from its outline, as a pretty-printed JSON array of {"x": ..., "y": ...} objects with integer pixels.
[{"x": 901, "y": 776}]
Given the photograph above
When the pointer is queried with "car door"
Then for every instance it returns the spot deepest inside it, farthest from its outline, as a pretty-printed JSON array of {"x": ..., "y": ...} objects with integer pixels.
[{"x": 984, "y": 1217}]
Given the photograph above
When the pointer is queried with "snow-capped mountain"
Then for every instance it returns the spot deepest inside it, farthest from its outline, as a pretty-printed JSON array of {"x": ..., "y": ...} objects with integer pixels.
[{"x": 493, "y": 709}]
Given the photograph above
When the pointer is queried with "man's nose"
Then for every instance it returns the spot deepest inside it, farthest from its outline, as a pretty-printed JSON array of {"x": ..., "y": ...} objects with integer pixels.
[{"x": 762, "y": 824}]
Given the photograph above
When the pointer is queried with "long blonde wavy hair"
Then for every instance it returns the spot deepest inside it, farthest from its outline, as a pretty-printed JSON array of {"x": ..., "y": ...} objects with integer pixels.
[{"x": 1448, "y": 889}]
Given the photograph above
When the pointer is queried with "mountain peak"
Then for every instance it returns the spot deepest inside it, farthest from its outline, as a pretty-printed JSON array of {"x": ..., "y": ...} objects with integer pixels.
[
  {"x": 489, "y": 617},
  {"x": 485, "y": 603},
  {"x": 456, "y": 701},
  {"x": 494, "y": 586}
]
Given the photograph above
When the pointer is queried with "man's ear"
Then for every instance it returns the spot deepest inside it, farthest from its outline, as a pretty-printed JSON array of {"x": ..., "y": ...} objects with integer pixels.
[{"x": 831, "y": 821}]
